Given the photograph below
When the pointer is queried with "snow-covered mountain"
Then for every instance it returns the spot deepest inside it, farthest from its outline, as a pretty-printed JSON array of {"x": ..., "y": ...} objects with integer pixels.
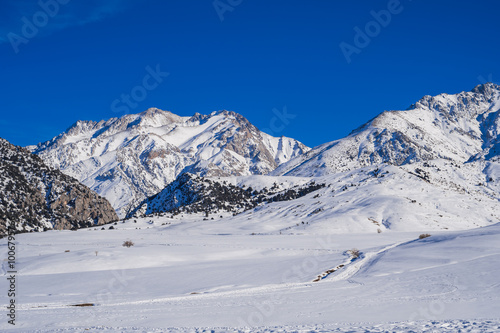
[
  {"x": 130, "y": 158},
  {"x": 462, "y": 127},
  {"x": 37, "y": 197},
  {"x": 434, "y": 195},
  {"x": 362, "y": 238},
  {"x": 433, "y": 166}
]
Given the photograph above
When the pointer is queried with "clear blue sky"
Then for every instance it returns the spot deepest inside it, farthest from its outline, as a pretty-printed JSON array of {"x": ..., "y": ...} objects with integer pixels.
[{"x": 250, "y": 56}]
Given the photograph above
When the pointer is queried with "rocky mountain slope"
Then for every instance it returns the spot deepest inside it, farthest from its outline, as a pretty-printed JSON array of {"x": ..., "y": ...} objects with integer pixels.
[
  {"x": 37, "y": 197},
  {"x": 422, "y": 196},
  {"x": 462, "y": 127},
  {"x": 192, "y": 194},
  {"x": 130, "y": 158},
  {"x": 434, "y": 166}
]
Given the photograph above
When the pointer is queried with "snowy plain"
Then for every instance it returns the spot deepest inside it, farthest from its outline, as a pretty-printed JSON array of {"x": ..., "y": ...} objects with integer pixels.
[{"x": 188, "y": 275}]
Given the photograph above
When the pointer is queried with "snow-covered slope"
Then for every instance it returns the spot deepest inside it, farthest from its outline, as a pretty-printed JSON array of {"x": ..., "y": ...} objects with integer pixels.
[
  {"x": 435, "y": 195},
  {"x": 462, "y": 127},
  {"x": 183, "y": 276},
  {"x": 130, "y": 158}
]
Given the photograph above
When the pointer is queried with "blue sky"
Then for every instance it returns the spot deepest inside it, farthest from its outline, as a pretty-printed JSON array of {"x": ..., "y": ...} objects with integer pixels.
[{"x": 70, "y": 60}]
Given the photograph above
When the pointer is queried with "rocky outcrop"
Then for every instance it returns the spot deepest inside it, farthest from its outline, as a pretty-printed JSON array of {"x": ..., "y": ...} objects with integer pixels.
[{"x": 36, "y": 197}]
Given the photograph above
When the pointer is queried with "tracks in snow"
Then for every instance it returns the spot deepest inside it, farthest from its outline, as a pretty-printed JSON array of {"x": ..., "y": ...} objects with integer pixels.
[
  {"x": 348, "y": 269},
  {"x": 352, "y": 266}
]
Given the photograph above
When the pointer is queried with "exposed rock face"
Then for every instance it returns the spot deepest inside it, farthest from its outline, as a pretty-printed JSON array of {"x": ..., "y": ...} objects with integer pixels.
[
  {"x": 37, "y": 197},
  {"x": 462, "y": 127},
  {"x": 130, "y": 158}
]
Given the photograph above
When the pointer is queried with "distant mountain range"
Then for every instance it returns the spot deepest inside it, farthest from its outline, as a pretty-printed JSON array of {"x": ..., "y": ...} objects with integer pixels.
[
  {"x": 35, "y": 197},
  {"x": 130, "y": 158},
  {"x": 435, "y": 165}
]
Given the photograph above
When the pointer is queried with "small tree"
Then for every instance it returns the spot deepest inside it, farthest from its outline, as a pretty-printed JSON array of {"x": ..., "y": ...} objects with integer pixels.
[
  {"x": 422, "y": 236},
  {"x": 128, "y": 243}
]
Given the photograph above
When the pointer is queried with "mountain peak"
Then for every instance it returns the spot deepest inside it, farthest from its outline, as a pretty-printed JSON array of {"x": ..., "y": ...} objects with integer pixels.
[
  {"x": 153, "y": 117},
  {"x": 155, "y": 112},
  {"x": 487, "y": 89},
  {"x": 129, "y": 158},
  {"x": 460, "y": 127},
  {"x": 467, "y": 104}
]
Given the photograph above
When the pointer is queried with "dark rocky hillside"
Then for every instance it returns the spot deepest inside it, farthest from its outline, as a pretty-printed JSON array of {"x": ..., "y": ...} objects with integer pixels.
[
  {"x": 35, "y": 197},
  {"x": 190, "y": 194}
]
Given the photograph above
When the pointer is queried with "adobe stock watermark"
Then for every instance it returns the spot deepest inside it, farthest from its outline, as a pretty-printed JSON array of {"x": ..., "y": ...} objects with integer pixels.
[
  {"x": 116, "y": 285},
  {"x": 296, "y": 274},
  {"x": 223, "y": 6},
  {"x": 373, "y": 28},
  {"x": 11, "y": 272},
  {"x": 431, "y": 311},
  {"x": 31, "y": 26},
  {"x": 437, "y": 307},
  {"x": 150, "y": 81},
  {"x": 488, "y": 79},
  {"x": 279, "y": 121}
]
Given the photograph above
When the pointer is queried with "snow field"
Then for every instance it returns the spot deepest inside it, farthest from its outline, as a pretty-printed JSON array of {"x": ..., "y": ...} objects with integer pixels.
[{"x": 186, "y": 276}]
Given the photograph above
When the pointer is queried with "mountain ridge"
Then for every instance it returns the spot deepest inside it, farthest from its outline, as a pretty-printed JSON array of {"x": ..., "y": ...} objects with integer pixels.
[
  {"x": 432, "y": 166},
  {"x": 456, "y": 127},
  {"x": 130, "y": 158},
  {"x": 453, "y": 131}
]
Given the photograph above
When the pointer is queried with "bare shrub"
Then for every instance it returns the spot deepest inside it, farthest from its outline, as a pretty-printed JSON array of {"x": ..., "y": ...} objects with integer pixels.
[
  {"x": 354, "y": 252},
  {"x": 128, "y": 243},
  {"x": 422, "y": 236}
]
